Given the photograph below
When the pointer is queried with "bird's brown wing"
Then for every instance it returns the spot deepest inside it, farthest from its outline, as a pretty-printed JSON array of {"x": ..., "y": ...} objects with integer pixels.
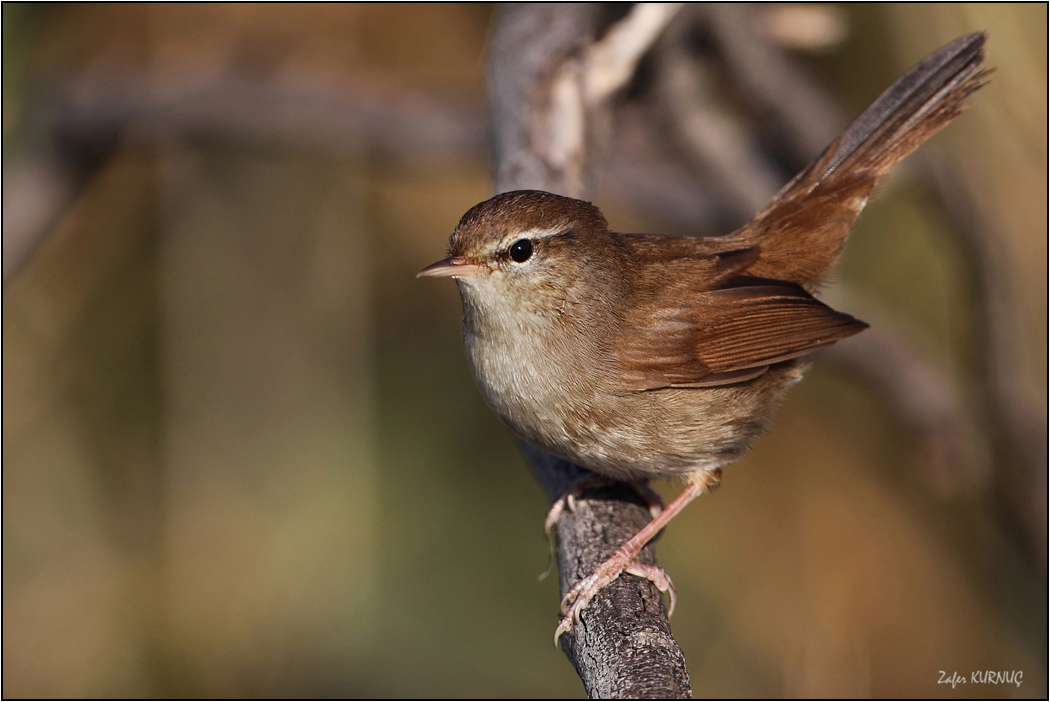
[{"x": 724, "y": 336}]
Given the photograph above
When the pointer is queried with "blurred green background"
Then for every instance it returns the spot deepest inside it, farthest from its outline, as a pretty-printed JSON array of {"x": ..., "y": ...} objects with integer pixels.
[{"x": 243, "y": 454}]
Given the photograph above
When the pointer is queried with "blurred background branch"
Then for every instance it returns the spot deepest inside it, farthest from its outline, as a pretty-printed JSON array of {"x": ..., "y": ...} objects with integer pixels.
[
  {"x": 88, "y": 116},
  {"x": 214, "y": 354}
]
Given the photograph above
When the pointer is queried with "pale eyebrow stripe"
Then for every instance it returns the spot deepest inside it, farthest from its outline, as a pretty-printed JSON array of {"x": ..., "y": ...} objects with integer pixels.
[{"x": 534, "y": 234}]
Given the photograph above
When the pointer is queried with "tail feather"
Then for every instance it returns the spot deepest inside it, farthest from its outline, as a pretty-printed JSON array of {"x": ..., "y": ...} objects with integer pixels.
[
  {"x": 802, "y": 231},
  {"x": 922, "y": 101}
]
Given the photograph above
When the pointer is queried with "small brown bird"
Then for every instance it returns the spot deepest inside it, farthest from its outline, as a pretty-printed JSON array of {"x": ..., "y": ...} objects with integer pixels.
[{"x": 641, "y": 356}]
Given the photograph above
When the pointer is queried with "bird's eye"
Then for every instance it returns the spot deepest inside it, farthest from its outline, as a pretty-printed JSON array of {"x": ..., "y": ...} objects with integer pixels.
[{"x": 521, "y": 250}]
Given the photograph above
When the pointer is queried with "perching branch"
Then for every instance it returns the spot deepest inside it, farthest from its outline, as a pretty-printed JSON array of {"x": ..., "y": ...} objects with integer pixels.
[{"x": 550, "y": 84}]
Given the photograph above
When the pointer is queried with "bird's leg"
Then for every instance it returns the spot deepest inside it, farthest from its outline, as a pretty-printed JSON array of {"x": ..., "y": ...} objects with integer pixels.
[
  {"x": 568, "y": 500},
  {"x": 622, "y": 560}
]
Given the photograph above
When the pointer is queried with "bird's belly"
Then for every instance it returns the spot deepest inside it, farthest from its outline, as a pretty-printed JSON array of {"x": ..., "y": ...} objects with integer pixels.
[{"x": 585, "y": 418}]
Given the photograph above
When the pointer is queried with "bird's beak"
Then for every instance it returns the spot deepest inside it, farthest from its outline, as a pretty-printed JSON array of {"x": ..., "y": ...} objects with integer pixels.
[{"x": 454, "y": 266}]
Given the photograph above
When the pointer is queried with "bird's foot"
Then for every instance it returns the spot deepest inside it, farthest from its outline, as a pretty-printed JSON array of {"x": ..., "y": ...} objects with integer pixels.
[
  {"x": 584, "y": 591},
  {"x": 623, "y": 560},
  {"x": 568, "y": 500}
]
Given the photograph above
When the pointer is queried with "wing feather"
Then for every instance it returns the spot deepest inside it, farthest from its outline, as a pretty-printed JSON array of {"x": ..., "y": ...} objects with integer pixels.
[{"x": 731, "y": 335}]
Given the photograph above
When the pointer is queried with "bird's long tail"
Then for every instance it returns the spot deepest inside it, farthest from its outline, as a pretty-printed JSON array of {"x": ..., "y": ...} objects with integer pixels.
[
  {"x": 814, "y": 213},
  {"x": 919, "y": 104}
]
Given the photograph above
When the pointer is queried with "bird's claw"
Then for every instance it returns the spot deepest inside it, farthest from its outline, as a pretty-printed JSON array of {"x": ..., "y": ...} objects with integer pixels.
[
  {"x": 658, "y": 577},
  {"x": 577, "y": 599}
]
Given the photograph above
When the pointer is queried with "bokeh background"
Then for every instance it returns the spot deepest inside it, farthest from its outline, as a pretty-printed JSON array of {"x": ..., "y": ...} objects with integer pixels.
[{"x": 242, "y": 451}]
